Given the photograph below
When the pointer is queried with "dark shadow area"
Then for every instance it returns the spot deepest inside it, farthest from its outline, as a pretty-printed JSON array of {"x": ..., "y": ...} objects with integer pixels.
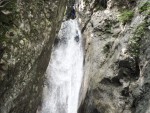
[
  {"x": 70, "y": 12},
  {"x": 101, "y": 4},
  {"x": 56, "y": 41}
]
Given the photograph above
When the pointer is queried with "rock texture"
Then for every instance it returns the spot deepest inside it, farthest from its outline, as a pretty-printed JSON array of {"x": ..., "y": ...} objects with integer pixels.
[
  {"x": 27, "y": 32},
  {"x": 117, "y": 62}
]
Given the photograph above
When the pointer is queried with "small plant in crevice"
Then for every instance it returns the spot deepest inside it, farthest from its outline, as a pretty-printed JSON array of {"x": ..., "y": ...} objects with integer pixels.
[
  {"x": 126, "y": 16},
  {"x": 134, "y": 44},
  {"x": 145, "y": 7}
]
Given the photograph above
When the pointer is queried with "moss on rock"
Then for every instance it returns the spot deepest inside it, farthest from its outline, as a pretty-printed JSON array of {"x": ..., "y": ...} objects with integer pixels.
[
  {"x": 135, "y": 42},
  {"x": 126, "y": 16}
]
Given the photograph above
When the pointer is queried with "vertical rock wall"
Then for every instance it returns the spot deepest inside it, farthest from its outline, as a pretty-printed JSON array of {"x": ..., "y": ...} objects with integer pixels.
[
  {"x": 116, "y": 34},
  {"x": 27, "y": 32}
]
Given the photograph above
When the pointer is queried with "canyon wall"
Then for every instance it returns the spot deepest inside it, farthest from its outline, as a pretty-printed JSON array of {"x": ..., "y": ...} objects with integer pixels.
[
  {"x": 27, "y": 32},
  {"x": 117, "y": 55}
]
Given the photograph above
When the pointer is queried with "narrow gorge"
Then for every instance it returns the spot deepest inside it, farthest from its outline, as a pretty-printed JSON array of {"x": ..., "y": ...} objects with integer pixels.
[{"x": 74, "y": 56}]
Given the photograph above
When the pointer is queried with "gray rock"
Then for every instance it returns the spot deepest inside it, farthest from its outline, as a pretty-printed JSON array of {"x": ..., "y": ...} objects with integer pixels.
[
  {"x": 116, "y": 60},
  {"x": 27, "y": 32}
]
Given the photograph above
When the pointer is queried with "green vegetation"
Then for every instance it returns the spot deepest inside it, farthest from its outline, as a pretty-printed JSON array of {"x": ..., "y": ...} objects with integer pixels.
[
  {"x": 145, "y": 7},
  {"x": 134, "y": 44},
  {"x": 126, "y": 16}
]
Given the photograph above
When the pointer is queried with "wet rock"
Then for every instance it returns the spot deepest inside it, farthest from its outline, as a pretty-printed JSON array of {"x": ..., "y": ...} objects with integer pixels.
[
  {"x": 56, "y": 42},
  {"x": 77, "y": 38}
]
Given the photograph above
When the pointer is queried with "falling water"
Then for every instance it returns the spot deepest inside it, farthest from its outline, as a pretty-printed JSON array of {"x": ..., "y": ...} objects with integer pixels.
[{"x": 64, "y": 73}]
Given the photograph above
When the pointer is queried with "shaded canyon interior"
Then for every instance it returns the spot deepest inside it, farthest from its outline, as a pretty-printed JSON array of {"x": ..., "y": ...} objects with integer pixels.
[{"x": 116, "y": 50}]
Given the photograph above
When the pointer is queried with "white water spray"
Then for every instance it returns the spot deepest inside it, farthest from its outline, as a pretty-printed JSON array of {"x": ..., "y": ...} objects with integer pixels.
[{"x": 65, "y": 72}]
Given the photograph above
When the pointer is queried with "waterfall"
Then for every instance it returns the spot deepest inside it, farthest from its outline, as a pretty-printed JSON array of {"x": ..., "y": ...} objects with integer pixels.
[{"x": 65, "y": 71}]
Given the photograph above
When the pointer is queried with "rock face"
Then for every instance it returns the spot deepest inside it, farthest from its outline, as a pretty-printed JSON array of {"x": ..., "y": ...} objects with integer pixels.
[
  {"x": 27, "y": 32},
  {"x": 117, "y": 55}
]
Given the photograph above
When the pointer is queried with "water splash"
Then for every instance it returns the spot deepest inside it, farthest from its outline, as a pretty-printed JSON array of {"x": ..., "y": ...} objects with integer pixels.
[{"x": 65, "y": 71}]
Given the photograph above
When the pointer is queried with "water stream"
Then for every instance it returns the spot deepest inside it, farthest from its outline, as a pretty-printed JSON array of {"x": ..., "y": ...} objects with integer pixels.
[{"x": 65, "y": 71}]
